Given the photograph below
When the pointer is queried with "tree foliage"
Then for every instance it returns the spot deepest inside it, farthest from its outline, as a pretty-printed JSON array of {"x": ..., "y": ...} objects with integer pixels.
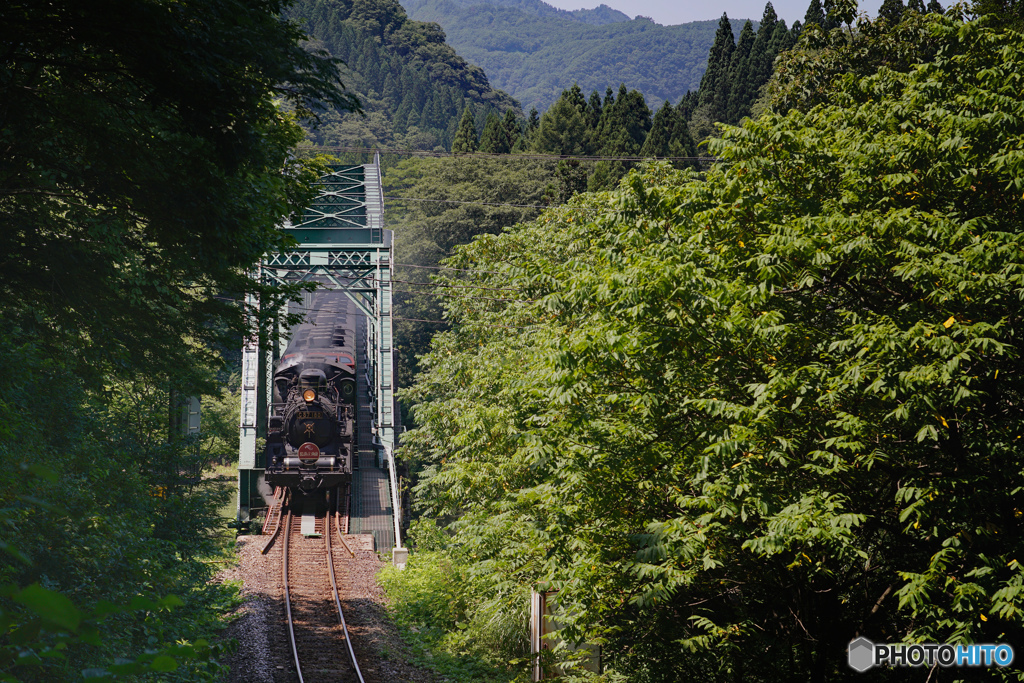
[
  {"x": 145, "y": 164},
  {"x": 737, "y": 420},
  {"x": 533, "y": 51},
  {"x": 413, "y": 85}
]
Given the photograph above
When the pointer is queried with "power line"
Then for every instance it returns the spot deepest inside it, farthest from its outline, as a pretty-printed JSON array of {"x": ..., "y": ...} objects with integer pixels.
[
  {"x": 539, "y": 207},
  {"x": 438, "y": 284},
  {"x": 538, "y": 157},
  {"x": 452, "y": 322},
  {"x": 459, "y": 296},
  {"x": 461, "y": 270}
]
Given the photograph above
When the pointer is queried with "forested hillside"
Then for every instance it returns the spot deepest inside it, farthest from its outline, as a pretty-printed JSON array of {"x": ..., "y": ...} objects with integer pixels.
[
  {"x": 413, "y": 87},
  {"x": 736, "y": 419},
  {"x": 602, "y": 14},
  {"x": 533, "y": 52}
]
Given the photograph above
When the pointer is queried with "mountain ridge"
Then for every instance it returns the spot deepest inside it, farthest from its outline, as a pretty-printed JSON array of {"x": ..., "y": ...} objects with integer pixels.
[{"x": 533, "y": 51}]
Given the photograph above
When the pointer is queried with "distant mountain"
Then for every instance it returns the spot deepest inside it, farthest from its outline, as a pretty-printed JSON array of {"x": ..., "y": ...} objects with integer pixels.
[
  {"x": 412, "y": 85},
  {"x": 602, "y": 14},
  {"x": 533, "y": 50}
]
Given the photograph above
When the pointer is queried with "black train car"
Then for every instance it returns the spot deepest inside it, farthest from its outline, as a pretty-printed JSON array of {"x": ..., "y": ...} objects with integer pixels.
[{"x": 311, "y": 436}]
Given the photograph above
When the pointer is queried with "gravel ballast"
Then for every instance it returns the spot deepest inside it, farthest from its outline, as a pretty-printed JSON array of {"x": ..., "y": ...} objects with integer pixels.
[{"x": 264, "y": 655}]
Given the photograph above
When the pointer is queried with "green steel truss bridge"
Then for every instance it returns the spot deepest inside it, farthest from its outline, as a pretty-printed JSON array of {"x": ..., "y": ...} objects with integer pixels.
[{"x": 342, "y": 246}]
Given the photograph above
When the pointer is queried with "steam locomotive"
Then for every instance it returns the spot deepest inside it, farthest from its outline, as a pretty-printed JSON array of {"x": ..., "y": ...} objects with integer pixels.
[{"x": 311, "y": 435}]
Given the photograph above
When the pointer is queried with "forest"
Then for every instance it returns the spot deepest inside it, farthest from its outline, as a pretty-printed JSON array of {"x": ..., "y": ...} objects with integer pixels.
[
  {"x": 144, "y": 168},
  {"x": 533, "y": 51},
  {"x": 731, "y": 406},
  {"x": 735, "y": 418}
]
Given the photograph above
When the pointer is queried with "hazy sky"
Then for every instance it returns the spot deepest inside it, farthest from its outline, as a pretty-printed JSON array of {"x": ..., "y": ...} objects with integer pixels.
[{"x": 682, "y": 11}]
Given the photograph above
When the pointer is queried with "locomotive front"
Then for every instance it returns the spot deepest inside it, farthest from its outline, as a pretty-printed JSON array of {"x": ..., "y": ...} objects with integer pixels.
[{"x": 311, "y": 434}]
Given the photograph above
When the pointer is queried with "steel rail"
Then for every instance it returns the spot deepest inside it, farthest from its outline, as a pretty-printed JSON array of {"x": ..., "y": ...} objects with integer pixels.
[
  {"x": 287, "y": 597},
  {"x": 278, "y": 505},
  {"x": 337, "y": 599}
]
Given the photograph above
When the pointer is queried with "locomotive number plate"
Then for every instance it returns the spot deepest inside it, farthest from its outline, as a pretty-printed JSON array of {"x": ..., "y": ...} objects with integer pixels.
[{"x": 310, "y": 415}]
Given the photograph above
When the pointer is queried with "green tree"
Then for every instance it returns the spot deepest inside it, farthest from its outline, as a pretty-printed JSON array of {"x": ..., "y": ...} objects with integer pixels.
[
  {"x": 124, "y": 159},
  {"x": 737, "y": 420},
  {"x": 562, "y": 129},
  {"x": 669, "y": 136},
  {"x": 487, "y": 194},
  {"x": 738, "y": 98},
  {"x": 891, "y": 11},
  {"x": 465, "y": 138},
  {"x": 494, "y": 139},
  {"x": 511, "y": 127},
  {"x": 719, "y": 61},
  {"x": 145, "y": 164},
  {"x": 815, "y": 14}
]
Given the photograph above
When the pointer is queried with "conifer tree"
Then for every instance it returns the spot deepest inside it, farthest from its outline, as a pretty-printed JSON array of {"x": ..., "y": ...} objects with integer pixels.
[
  {"x": 719, "y": 60},
  {"x": 575, "y": 95},
  {"x": 513, "y": 132},
  {"x": 594, "y": 110},
  {"x": 815, "y": 14},
  {"x": 891, "y": 11},
  {"x": 935, "y": 7},
  {"x": 762, "y": 57},
  {"x": 782, "y": 40},
  {"x": 624, "y": 125},
  {"x": 465, "y": 138},
  {"x": 533, "y": 121},
  {"x": 916, "y": 5},
  {"x": 687, "y": 103},
  {"x": 492, "y": 139},
  {"x": 738, "y": 104},
  {"x": 669, "y": 136},
  {"x": 562, "y": 129}
]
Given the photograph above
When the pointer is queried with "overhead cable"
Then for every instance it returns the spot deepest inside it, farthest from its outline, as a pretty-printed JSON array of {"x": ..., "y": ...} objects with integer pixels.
[{"x": 537, "y": 157}]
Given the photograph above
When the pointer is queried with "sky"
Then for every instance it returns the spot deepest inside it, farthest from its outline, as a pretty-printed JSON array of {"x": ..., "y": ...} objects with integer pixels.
[{"x": 681, "y": 11}]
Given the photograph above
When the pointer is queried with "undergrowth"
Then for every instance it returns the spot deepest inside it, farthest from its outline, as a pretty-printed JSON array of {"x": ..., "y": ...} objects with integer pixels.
[{"x": 455, "y": 620}]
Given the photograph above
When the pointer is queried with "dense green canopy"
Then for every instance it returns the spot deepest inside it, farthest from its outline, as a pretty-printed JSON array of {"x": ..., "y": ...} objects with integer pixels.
[
  {"x": 146, "y": 160},
  {"x": 738, "y": 420}
]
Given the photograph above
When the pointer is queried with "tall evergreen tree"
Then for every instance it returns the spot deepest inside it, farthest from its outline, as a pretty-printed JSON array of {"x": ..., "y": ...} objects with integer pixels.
[
  {"x": 738, "y": 104},
  {"x": 687, "y": 103},
  {"x": 465, "y": 138},
  {"x": 624, "y": 125},
  {"x": 493, "y": 139},
  {"x": 513, "y": 131},
  {"x": 815, "y": 14},
  {"x": 562, "y": 129},
  {"x": 762, "y": 57},
  {"x": 719, "y": 61},
  {"x": 669, "y": 136},
  {"x": 782, "y": 40},
  {"x": 935, "y": 7},
  {"x": 577, "y": 99},
  {"x": 533, "y": 121},
  {"x": 594, "y": 110},
  {"x": 891, "y": 11},
  {"x": 916, "y": 5}
]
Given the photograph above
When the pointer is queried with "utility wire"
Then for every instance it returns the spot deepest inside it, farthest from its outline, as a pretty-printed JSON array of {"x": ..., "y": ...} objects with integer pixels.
[
  {"x": 539, "y": 157},
  {"x": 460, "y": 296},
  {"x": 461, "y": 270},
  {"x": 437, "y": 284},
  {"x": 452, "y": 322},
  {"x": 539, "y": 207}
]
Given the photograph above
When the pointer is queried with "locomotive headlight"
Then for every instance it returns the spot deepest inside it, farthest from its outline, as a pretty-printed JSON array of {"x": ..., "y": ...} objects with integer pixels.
[{"x": 308, "y": 395}]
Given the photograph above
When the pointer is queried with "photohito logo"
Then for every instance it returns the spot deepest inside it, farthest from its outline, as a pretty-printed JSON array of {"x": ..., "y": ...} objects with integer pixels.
[{"x": 863, "y": 654}]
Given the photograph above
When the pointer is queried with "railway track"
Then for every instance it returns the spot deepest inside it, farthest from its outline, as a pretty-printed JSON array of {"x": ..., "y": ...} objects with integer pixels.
[{"x": 320, "y": 642}]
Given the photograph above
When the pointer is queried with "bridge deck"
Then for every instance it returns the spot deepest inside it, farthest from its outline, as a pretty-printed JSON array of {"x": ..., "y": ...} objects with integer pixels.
[{"x": 371, "y": 511}]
